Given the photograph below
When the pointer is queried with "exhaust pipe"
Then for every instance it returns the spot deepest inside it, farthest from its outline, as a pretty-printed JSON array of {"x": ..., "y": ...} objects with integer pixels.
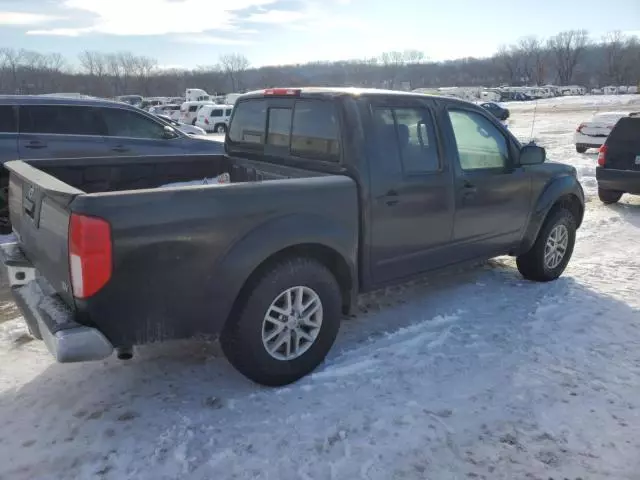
[{"x": 124, "y": 353}]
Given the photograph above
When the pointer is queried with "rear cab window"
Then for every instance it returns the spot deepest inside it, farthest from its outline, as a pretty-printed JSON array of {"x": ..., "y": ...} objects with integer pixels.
[{"x": 301, "y": 128}]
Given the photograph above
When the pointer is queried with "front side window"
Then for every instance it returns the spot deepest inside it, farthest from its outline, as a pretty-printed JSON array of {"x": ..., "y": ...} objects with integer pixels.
[
  {"x": 480, "y": 144},
  {"x": 315, "y": 130},
  {"x": 125, "y": 123},
  {"x": 193, "y": 108},
  {"x": 216, "y": 113},
  {"x": 227, "y": 112},
  {"x": 60, "y": 120}
]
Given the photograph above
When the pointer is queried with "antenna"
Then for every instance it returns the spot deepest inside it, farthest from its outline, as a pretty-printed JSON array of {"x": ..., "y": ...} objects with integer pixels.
[{"x": 533, "y": 122}]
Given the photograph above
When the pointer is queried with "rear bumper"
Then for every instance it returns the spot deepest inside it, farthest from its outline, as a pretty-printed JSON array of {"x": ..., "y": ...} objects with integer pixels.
[
  {"x": 588, "y": 141},
  {"x": 48, "y": 317},
  {"x": 627, "y": 181}
]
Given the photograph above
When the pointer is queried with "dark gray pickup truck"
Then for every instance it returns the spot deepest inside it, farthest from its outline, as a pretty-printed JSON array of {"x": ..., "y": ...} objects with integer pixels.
[{"x": 332, "y": 192}]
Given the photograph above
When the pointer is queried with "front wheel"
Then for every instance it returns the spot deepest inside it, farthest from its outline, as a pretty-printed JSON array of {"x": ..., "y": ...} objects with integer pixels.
[
  {"x": 287, "y": 325},
  {"x": 608, "y": 196},
  {"x": 552, "y": 250},
  {"x": 221, "y": 128},
  {"x": 581, "y": 148}
]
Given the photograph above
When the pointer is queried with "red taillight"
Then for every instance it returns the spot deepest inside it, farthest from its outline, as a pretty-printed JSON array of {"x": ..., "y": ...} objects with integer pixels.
[
  {"x": 282, "y": 91},
  {"x": 89, "y": 254},
  {"x": 579, "y": 129},
  {"x": 602, "y": 155}
]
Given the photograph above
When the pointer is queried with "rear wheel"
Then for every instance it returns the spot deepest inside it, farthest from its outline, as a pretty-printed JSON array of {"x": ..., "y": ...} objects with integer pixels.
[
  {"x": 608, "y": 196},
  {"x": 552, "y": 250},
  {"x": 287, "y": 324},
  {"x": 581, "y": 148}
]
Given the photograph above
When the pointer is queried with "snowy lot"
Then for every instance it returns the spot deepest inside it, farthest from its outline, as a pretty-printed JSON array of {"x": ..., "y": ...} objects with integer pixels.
[{"x": 470, "y": 374}]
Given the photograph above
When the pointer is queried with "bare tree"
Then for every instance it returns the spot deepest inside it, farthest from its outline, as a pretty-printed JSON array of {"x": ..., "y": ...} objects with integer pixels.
[
  {"x": 618, "y": 56},
  {"x": 567, "y": 48},
  {"x": 11, "y": 60},
  {"x": 533, "y": 59},
  {"x": 234, "y": 65},
  {"x": 509, "y": 61}
]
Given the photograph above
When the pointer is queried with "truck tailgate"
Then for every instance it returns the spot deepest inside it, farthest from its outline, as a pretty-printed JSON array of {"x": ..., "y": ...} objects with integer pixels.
[{"x": 39, "y": 209}]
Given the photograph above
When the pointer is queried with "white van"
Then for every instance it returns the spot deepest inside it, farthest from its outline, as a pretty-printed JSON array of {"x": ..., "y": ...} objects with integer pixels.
[
  {"x": 197, "y": 95},
  {"x": 214, "y": 118},
  {"x": 189, "y": 111}
]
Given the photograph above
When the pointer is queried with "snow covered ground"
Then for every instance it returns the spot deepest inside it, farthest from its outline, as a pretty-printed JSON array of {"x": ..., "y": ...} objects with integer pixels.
[{"x": 468, "y": 374}]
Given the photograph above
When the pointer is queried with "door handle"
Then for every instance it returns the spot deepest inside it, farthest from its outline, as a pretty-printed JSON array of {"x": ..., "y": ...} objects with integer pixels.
[
  {"x": 120, "y": 149},
  {"x": 34, "y": 145},
  {"x": 469, "y": 189},
  {"x": 392, "y": 198}
]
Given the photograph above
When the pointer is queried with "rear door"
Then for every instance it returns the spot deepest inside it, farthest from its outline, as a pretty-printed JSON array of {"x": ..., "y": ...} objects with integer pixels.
[
  {"x": 60, "y": 131},
  {"x": 132, "y": 133},
  {"x": 623, "y": 145},
  {"x": 412, "y": 197}
]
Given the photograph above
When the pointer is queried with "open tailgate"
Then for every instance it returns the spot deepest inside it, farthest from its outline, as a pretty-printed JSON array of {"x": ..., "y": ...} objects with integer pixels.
[{"x": 39, "y": 210}]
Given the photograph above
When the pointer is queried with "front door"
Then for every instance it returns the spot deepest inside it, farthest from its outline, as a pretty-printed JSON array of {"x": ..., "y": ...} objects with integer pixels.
[
  {"x": 493, "y": 195},
  {"x": 412, "y": 200},
  {"x": 130, "y": 133}
]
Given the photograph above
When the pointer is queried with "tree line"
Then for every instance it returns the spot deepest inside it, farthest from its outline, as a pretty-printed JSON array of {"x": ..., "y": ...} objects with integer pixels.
[{"x": 570, "y": 57}]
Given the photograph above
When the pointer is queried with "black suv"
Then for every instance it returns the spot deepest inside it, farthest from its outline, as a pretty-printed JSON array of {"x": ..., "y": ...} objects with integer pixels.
[
  {"x": 39, "y": 127},
  {"x": 618, "y": 168}
]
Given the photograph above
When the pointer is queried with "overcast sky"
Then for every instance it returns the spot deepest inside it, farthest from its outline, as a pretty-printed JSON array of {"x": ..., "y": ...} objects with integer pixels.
[{"x": 187, "y": 33}]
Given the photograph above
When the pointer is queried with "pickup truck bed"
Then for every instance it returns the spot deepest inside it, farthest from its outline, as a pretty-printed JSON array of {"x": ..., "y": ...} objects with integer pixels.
[{"x": 180, "y": 254}]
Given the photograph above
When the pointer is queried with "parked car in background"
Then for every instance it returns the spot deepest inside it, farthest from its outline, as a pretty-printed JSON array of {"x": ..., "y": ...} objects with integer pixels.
[
  {"x": 618, "y": 169},
  {"x": 593, "y": 133},
  {"x": 189, "y": 111},
  {"x": 214, "y": 118},
  {"x": 498, "y": 111},
  {"x": 33, "y": 127},
  {"x": 328, "y": 193},
  {"x": 135, "y": 100},
  {"x": 168, "y": 109},
  {"x": 188, "y": 129}
]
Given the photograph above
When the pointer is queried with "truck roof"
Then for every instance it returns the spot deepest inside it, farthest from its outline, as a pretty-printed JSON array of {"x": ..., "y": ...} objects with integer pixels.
[{"x": 348, "y": 91}]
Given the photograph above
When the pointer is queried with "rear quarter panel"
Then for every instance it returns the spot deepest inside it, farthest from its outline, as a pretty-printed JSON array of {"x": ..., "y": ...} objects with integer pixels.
[{"x": 182, "y": 255}]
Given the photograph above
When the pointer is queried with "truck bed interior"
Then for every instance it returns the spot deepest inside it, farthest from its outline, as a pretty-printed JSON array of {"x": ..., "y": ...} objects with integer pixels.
[{"x": 111, "y": 174}]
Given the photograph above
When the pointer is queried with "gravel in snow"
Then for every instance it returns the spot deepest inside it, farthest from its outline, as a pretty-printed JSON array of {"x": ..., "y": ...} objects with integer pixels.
[{"x": 469, "y": 374}]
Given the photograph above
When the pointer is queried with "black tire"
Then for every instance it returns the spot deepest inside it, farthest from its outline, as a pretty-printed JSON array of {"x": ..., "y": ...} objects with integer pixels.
[
  {"x": 581, "y": 148},
  {"x": 532, "y": 263},
  {"x": 5, "y": 221},
  {"x": 608, "y": 196},
  {"x": 193, "y": 122},
  {"x": 241, "y": 339},
  {"x": 220, "y": 128}
]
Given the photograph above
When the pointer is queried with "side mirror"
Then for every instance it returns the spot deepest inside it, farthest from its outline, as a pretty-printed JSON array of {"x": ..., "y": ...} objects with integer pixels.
[
  {"x": 169, "y": 133},
  {"x": 532, "y": 155}
]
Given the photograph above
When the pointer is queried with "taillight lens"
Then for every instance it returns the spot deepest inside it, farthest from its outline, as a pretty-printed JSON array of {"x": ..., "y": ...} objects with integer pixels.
[
  {"x": 90, "y": 254},
  {"x": 602, "y": 155}
]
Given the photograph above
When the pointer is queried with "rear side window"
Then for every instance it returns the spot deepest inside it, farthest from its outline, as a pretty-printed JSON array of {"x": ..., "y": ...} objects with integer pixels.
[
  {"x": 60, "y": 120},
  {"x": 626, "y": 130},
  {"x": 407, "y": 134},
  {"x": 8, "y": 122},
  {"x": 315, "y": 130},
  {"x": 249, "y": 122},
  {"x": 216, "y": 113}
]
